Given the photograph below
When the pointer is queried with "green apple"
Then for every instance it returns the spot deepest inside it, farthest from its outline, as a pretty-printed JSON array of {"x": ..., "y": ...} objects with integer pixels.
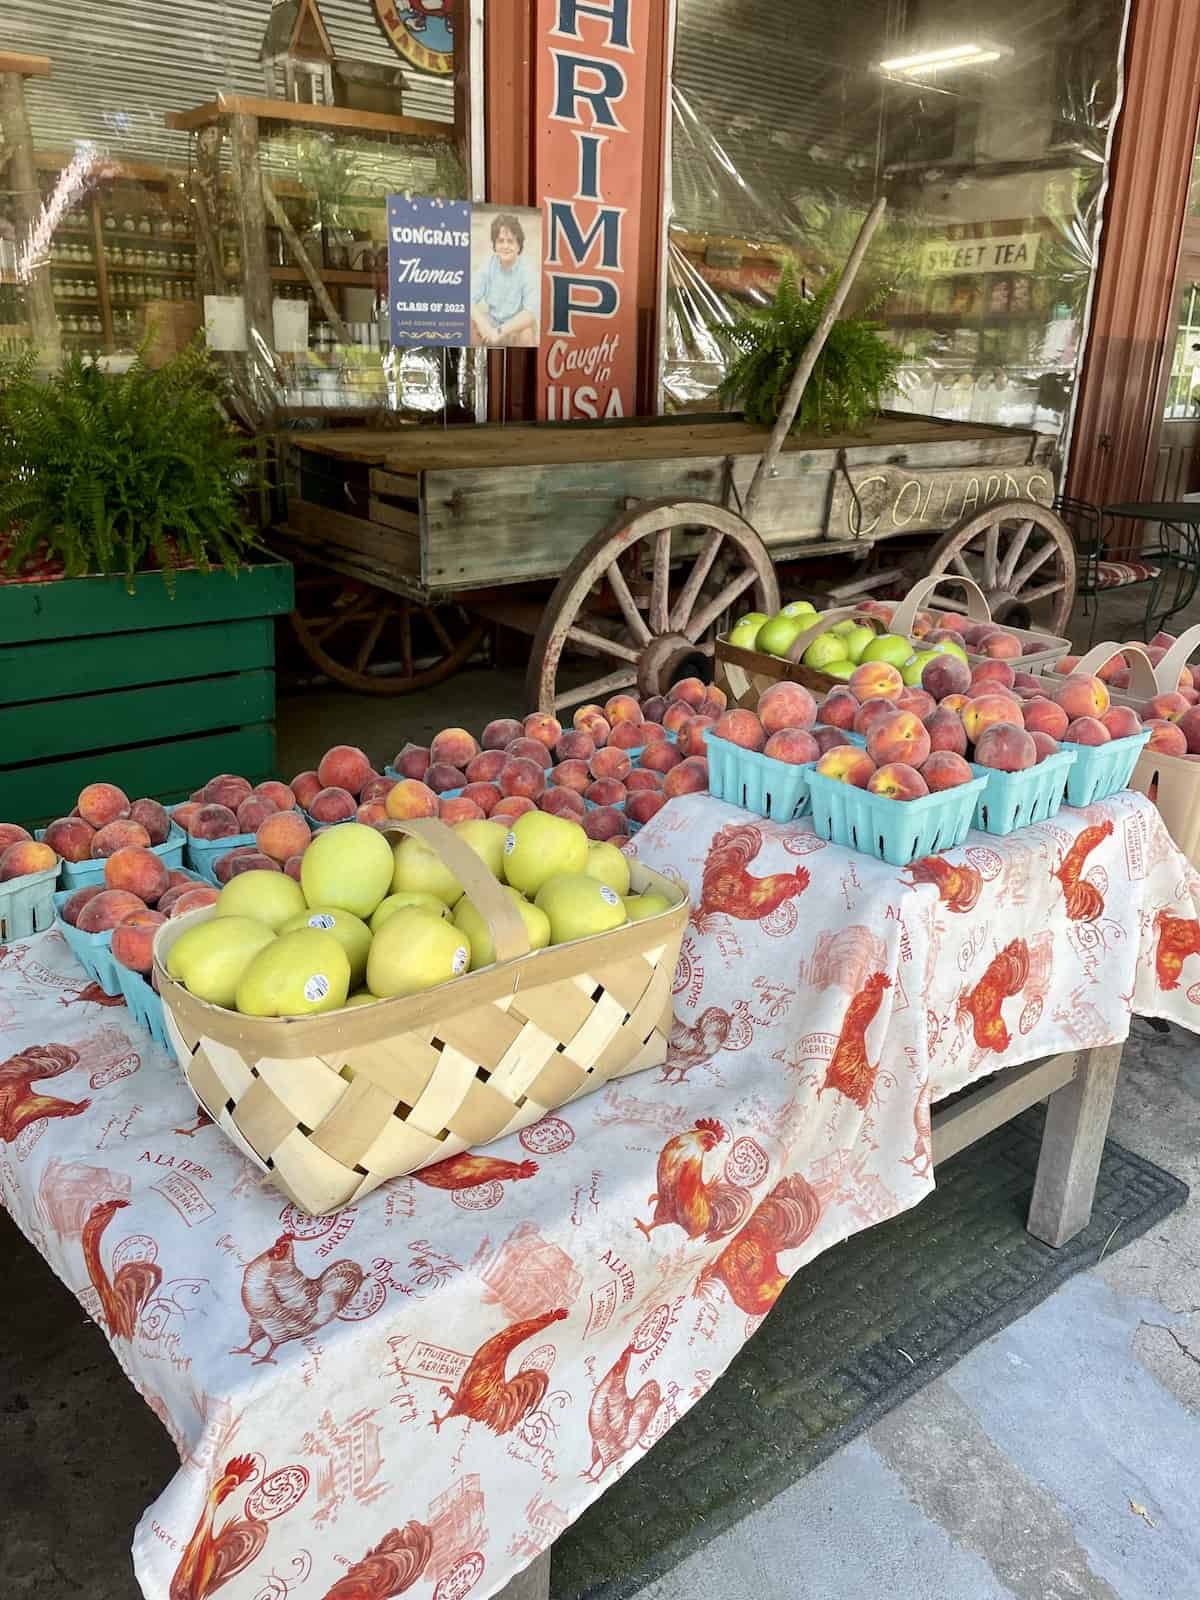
[
  {"x": 578, "y": 905},
  {"x": 640, "y": 906},
  {"x": 842, "y": 670},
  {"x": 755, "y": 618},
  {"x": 890, "y": 647},
  {"x": 417, "y": 870},
  {"x": 606, "y": 863},
  {"x": 798, "y": 608},
  {"x": 351, "y": 933},
  {"x": 411, "y": 898},
  {"x": 414, "y": 951},
  {"x": 948, "y": 647},
  {"x": 483, "y": 951},
  {"x": 539, "y": 846},
  {"x": 913, "y": 668},
  {"x": 846, "y": 625},
  {"x": 210, "y": 958},
  {"x": 270, "y": 897},
  {"x": 775, "y": 636},
  {"x": 826, "y": 647},
  {"x": 487, "y": 839},
  {"x": 745, "y": 635},
  {"x": 855, "y": 640},
  {"x": 297, "y": 975},
  {"x": 349, "y": 866}
]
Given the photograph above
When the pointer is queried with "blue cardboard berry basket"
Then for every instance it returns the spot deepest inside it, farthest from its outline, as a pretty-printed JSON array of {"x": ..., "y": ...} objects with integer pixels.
[
  {"x": 93, "y": 951},
  {"x": 1103, "y": 769},
  {"x": 82, "y": 874},
  {"x": 757, "y": 783},
  {"x": 1013, "y": 800},
  {"x": 27, "y": 903},
  {"x": 895, "y": 831},
  {"x": 144, "y": 1004}
]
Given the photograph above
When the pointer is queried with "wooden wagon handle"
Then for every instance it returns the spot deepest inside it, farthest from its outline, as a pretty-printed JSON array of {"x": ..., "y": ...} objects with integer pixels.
[
  {"x": 823, "y": 624},
  {"x": 494, "y": 904},
  {"x": 1143, "y": 677},
  {"x": 905, "y": 613}
]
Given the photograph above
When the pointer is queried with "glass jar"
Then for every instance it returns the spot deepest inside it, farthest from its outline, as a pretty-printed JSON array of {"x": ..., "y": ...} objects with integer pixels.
[
  {"x": 129, "y": 222},
  {"x": 143, "y": 226},
  {"x": 110, "y": 223}
]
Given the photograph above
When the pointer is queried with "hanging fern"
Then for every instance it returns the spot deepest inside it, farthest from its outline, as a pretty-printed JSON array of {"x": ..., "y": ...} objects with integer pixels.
[
  {"x": 848, "y": 383},
  {"x": 113, "y": 474}
]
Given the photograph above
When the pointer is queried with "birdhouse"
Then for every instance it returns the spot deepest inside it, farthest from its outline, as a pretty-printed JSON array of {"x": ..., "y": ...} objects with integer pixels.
[{"x": 297, "y": 54}]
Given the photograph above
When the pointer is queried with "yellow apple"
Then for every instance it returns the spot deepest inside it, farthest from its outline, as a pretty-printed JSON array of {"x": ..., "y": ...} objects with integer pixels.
[
  {"x": 270, "y": 897},
  {"x": 210, "y": 958},
  {"x": 606, "y": 863},
  {"x": 350, "y": 932},
  {"x": 297, "y": 975},
  {"x": 539, "y": 846},
  {"x": 417, "y": 869},
  {"x": 578, "y": 906},
  {"x": 411, "y": 898},
  {"x": 349, "y": 866},
  {"x": 364, "y": 997},
  {"x": 640, "y": 906},
  {"x": 487, "y": 839},
  {"x": 483, "y": 951},
  {"x": 414, "y": 951}
]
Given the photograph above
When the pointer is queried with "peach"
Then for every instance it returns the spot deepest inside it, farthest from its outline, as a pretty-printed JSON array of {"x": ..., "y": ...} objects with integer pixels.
[
  {"x": 625, "y": 708},
  {"x": 644, "y": 779},
  {"x": 485, "y": 796},
  {"x": 101, "y": 803},
  {"x": 376, "y": 789},
  {"x": 714, "y": 702},
  {"x": 540, "y": 725},
  {"x": 662, "y": 756},
  {"x": 73, "y": 906},
  {"x": 153, "y": 818},
  {"x": 945, "y": 769},
  {"x": 898, "y": 781},
  {"x": 988, "y": 674},
  {"x": 690, "y": 690},
  {"x": 874, "y": 680},
  {"x": 643, "y": 805},
  {"x": 345, "y": 766},
  {"x": 829, "y": 738},
  {"x": 946, "y": 732},
  {"x": 838, "y": 709},
  {"x": 168, "y": 900},
  {"x": 223, "y": 865},
  {"x": 13, "y": 833},
  {"x": 440, "y": 777},
  {"x": 411, "y": 762},
  {"x": 1066, "y": 665},
  {"x": 177, "y": 879},
  {"x": 1189, "y": 722},
  {"x": 951, "y": 622},
  {"x": 1121, "y": 722},
  {"x": 584, "y": 713},
  {"x": 597, "y": 728},
  {"x": 676, "y": 714},
  {"x": 1005, "y": 748},
  {"x": 411, "y": 798},
  {"x": 306, "y": 786},
  {"x": 24, "y": 857},
  {"x": 523, "y": 779},
  {"x": 627, "y": 736},
  {"x": 503, "y": 731},
  {"x": 1120, "y": 680},
  {"x": 1195, "y": 671},
  {"x": 371, "y": 813},
  {"x": 195, "y": 798},
  {"x": 609, "y": 763},
  {"x": 1044, "y": 716},
  {"x": 193, "y": 899},
  {"x": 254, "y": 861},
  {"x": 653, "y": 708},
  {"x": 486, "y": 767},
  {"x": 689, "y": 777},
  {"x": 575, "y": 746},
  {"x": 974, "y": 630},
  {"x": 286, "y": 833},
  {"x": 872, "y": 711},
  {"x": 741, "y": 728},
  {"x": 942, "y": 636},
  {"x": 918, "y": 701},
  {"x": 529, "y": 750},
  {"x": 1168, "y": 707},
  {"x": 283, "y": 797},
  {"x": 133, "y": 939},
  {"x": 571, "y": 775},
  {"x": 226, "y": 789},
  {"x": 954, "y": 702},
  {"x": 1115, "y": 663},
  {"x": 1081, "y": 696},
  {"x": 69, "y": 837},
  {"x": 899, "y": 740},
  {"x": 606, "y": 822},
  {"x": 1045, "y": 745},
  {"x": 1087, "y": 730},
  {"x": 999, "y": 646},
  {"x": 139, "y": 870},
  {"x": 453, "y": 746},
  {"x": 332, "y": 805},
  {"x": 563, "y": 803},
  {"x": 922, "y": 625},
  {"x": 254, "y": 811},
  {"x": 987, "y": 709},
  {"x": 511, "y": 807},
  {"x": 793, "y": 745},
  {"x": 293, "y": 867},
  {"x": 945, "y": 675},
  {"x": 1192, "y": 696},
  {"x": 605, "y": 792},
  {"x": 786, "y": 705},
  {"x": 690, "y": 739},
  {"x": 106, "y": 910},
  {"x": 1163, "y": 641},
  {"x": 1166, "y": 738},
  {"x": 459, "y": 809},
  {"x": 848, "y": 764},
  {"x": 116, "y": 835}
]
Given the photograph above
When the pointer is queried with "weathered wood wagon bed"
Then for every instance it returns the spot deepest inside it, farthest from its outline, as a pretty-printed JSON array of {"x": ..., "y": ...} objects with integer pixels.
[{"x": 624, "y": 541}]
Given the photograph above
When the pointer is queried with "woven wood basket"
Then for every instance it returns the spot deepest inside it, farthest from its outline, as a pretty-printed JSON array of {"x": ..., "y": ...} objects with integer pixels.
[{"x": 333, "y": 1105}]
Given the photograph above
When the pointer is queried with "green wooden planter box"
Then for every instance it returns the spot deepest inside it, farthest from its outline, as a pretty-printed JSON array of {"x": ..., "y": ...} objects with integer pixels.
[{"x": 151, "y": 692}]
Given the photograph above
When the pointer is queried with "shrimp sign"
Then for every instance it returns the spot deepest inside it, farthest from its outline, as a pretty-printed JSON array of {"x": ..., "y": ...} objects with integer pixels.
[{"x": 591, "y": 100}]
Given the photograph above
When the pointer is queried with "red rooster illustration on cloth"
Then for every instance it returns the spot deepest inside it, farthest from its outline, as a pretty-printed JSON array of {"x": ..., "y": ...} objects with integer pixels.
[
  {"x": 700, "y": 1206},
  {"x": 1084, "y": 902},
  {"x": 727, "y": 886},
  {"x": 749, "y": 1265},
  {"x": 124, "y": 1295},
  {"x": 210, "y": 1560},
  {"x": 1006, "y": 975},
  {"x": 692, "y": 1044},
  {"x": 849, "y": 1071},
  {"x": 616, "y": 1418},
  {"x": 486, "y": 1394},
  {"x": 958, "y": 884},
  {"x": 283, "y": 1303},
  {"x": 19, "y": 1106},
  {"x": 393, "y": 1566},
  {"x": 467, "y": 1170},
  {"x": 91, "y": 995},
  {"x": 1178, "y": 938}
]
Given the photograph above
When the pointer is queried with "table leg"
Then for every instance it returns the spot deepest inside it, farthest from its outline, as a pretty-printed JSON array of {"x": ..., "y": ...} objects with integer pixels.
[
  {"x": 1076, "y": 1126},
  {"x": 532, "y": 1584}
]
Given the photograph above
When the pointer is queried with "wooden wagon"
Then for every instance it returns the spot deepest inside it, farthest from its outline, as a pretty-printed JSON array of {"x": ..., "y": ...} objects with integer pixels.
[{"x": 622, "y": 543}]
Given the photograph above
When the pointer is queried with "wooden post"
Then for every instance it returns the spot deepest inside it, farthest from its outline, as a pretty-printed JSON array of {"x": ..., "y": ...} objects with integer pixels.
[
  {"x": 294, "y": 243},
  {"x": 252, "y": 216},
  {"x": 206, "y": 204},
  {"x": 1072, "y": 1145},
  {"x": 27, "y": 201}
]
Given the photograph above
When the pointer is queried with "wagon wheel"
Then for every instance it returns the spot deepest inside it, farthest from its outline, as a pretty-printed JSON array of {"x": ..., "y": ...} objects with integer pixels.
[
  {"x": 1020, "y": 554},
  {"x": 377, "y": 642},
  {"x": 620, "y": 600}
]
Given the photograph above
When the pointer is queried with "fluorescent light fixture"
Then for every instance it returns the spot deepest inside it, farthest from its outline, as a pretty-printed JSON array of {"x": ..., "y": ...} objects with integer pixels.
[{"x": 946, "y": 59}]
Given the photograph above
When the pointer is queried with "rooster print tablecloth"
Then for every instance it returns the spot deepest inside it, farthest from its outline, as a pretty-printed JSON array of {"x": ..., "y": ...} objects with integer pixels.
[{"x": 421, "y": 1392}]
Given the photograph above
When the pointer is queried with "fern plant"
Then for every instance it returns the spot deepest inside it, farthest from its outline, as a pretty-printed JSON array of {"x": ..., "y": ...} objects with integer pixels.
[
  {"x": 109, "y": 474},
  {"x": 852, "y": 373}
]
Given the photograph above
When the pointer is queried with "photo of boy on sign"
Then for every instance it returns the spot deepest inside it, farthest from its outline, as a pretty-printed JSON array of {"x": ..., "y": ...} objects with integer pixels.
[{"x": 506, "y": 277}]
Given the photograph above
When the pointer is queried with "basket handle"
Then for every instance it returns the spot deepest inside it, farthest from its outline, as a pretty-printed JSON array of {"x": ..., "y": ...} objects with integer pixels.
[
  {"x": 1166, "y": 674},
  {"x": 1143, "y": 681},
  {"x": 823, "y": 624},
  {"x": 905, "y": 613},
  {"x": 504, "y": 921}
]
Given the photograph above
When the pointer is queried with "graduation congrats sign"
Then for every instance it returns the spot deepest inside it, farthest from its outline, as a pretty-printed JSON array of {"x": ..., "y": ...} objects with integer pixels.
[{"x": 591, "y": 106}]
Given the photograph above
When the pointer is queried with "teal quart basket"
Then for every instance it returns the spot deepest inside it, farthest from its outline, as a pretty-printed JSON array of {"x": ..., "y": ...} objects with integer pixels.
[
  {"x": 895, "y": 831},
  {"x": 143, "y": 1004},
  {"x": 1103, "y": 769},
  {"x": 93, "y": 951},
  {"x": 1013, "y": 800},
  {"x": 83, "y": 874},
  {"x": 27, "y": 903},
  {"x": 758, "y": 783}
]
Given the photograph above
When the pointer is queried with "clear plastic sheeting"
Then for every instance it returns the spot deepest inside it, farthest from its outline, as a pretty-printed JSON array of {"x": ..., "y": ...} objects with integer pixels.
[{"x": 987, "y": 128}]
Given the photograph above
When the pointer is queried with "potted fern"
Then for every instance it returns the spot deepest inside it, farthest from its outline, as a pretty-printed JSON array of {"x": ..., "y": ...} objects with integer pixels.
[{"x": 136, "y": 632}]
